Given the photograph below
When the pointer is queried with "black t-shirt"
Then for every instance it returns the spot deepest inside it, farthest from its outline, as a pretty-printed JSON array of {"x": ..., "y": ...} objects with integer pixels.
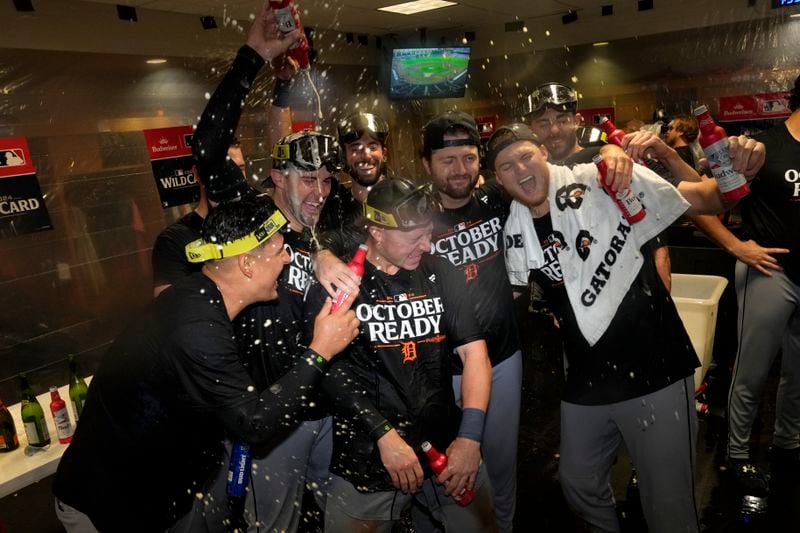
[
  {"x": 471, "y": 239},
  {"x": 644, "y": 349},
  {"x": 340, "y": 209},
  {"x": 169, "y": 251},
  {"x": 771, "y": 212},
  {"x": 168, "y": 388},
  {"x": 269, "y": 332},
  {"x": 399, "y": 367}
]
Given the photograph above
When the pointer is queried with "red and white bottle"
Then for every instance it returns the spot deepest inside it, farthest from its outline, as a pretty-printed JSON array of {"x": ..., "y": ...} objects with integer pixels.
[
  {"x": 714, "y": 142},
  {"x": 58, "y": 407},
  {"x": 288, "y": 20},
  {"x": 438, "y": 462},
  {"x": 632, "y": 209},
  {"x": 615, "y": 135},
  {"x": 356, "y": 265}
]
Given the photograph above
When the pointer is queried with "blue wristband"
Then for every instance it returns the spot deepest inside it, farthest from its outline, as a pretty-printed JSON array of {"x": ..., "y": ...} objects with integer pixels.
[
  {"x": 472, "y": 424},
  {"x": 280, "y": 93}
]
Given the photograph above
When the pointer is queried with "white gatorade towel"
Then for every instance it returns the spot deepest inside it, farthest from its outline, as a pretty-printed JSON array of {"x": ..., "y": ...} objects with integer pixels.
[{"x": 599, "y": 251}]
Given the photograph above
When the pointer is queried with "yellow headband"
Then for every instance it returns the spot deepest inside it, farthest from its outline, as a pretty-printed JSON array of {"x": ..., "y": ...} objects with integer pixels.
[
  {"x": 379, "y": 217},
  {"x": 199, "y": 251}
]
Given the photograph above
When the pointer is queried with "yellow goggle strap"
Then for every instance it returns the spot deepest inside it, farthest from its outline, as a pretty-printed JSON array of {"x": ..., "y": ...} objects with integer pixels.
[
  {"x": 199, "y": 251},
  {"x": 379, "y": 217},
  {"x": 282, "y": 152}
]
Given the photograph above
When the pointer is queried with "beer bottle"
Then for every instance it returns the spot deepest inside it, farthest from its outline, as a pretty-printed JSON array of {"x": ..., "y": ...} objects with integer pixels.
[
  {"x": 714, "y": 142},
  {"x": 356, "y": 265},
  {"x": 438, "y": 462},
  {"x": 8, "y": 431},
  {"x": 33, "y": 417},
  {"x": 628, "y": 203},
  {"x": 77, "y": 388},
  {"x": 615, "y": 135},
  {"x": 58, "y": 408}
]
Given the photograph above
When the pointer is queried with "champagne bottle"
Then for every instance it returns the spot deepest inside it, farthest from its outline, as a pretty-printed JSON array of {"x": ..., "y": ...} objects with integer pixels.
[
  {"x": 33, "y": 417},
  {"x": 58, "y": 408},
  {"x": 77, "y": 388},
  {"x": 8, "y": 431}
]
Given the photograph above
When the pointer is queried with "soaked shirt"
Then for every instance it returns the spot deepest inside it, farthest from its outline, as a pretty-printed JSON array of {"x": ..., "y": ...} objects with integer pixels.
[
  {"x": 166, "y": 392},
  {"x": 644, "y": 349},
  {"x": 471, "y": 239},
  {"x": 269, "y": 332},
  {"x": 399, "y": 368},
  {"x": 771, "y": 212}
]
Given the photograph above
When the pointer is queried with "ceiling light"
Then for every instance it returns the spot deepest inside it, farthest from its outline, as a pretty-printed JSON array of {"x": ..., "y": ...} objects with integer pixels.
[
  {"x": 156, "y": 61},
  {"x": 409, "y": 8},
  {"x": 601, "y": 43}
]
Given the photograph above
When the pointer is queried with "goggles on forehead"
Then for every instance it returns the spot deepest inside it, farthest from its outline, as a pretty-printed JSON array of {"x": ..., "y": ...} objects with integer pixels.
[
  {"x": 553, "y": 94},
  {"x": 414, "y": 209},
  {"x": 199, "y": 251},
  {"x": 354, "y": 127},
  {"x": 307, "y": 151}
]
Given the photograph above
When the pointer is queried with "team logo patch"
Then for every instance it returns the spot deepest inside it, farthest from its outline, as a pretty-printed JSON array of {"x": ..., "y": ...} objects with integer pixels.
[
  {"x": 570, "y": 196},
  {"x": 409, "y": 351},
  {"x": 400, "y": 297},
  {"x": 471, "y": 272},
  {"x": 582, "y": 244}
]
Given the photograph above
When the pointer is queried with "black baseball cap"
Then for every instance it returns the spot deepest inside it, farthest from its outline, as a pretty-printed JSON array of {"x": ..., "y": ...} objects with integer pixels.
[
  {"x": 398, "y": 203},
  {"x": 357, "y": 125},
  {"x": 449, "y": 122},
  {"x": 505, "y": 136}
]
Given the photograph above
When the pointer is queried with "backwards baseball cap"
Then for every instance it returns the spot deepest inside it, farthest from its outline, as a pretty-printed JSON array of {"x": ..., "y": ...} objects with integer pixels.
[
  {"x": 232, "y": 229},
  {"x": 357, "y": 125},
  {"x": 307, "y": 150},
  {"x": 398, "y": 203},
  {"x": 449, "y": 122},
  {"x": 554, "y": 95},
  {"x": 505, "y": 136}
]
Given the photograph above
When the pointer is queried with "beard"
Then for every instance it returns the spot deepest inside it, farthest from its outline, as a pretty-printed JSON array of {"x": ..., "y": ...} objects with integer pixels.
[
  {"x": 459, "y": 191},
  {"x": 370, "y": 179}
]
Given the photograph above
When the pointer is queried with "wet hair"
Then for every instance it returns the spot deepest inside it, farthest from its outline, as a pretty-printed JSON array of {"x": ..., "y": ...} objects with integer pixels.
[
  {"x": 230, "y": 221},
  {"x": 794, "y": 98},
  {"x": 688, "y": 126}
]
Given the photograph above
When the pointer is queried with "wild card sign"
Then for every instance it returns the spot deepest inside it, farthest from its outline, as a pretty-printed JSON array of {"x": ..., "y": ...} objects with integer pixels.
[
  {"x": 170, "y": 151},
  {"x": 22, "y": 207}
]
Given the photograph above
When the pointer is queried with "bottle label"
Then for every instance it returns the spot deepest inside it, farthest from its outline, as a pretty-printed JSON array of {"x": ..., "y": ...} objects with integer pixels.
[
  {"x": 630, "y": 203},
  {"x": 63, "y": 425},
  {"x": 286, "y": 22},
  {"x": 32, "y": 431},
  {"x": 75, "y": 409},
  {"x": 720, "y": 162}
]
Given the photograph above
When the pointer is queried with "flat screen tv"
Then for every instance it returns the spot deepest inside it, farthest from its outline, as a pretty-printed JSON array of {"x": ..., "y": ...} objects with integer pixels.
[{"x": 428, "y": 73}]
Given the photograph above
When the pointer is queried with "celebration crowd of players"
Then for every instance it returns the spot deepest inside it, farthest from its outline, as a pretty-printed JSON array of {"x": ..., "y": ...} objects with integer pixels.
[{"x": 243, "y": 343}]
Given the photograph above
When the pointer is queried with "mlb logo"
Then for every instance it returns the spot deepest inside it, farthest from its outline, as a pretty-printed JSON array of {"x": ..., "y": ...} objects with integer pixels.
[
  {"x": 461, "y": 226},
  {"x": 400, "y": 297},
  {"x": 13, "y": 157}
]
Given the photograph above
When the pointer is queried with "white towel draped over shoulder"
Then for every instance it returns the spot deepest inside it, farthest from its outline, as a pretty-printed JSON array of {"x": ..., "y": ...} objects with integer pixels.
[{"x": 600, "y": 256}]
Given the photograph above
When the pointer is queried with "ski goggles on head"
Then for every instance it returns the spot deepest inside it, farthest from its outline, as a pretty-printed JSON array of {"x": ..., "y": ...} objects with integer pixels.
[
  {"x": 307, "y": 151},
  {"x": 413, "y": 210},
  {"x": 552, "y": 94},
  {"x": 200, "y": 251}
]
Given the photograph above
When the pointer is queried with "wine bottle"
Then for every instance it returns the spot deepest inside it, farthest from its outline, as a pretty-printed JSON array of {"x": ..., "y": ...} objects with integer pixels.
[
  {"x": 33, "y": 417},
  {"x": 8, "y": 431},
  {"x": 77, "y": 388},
  {"x": 58, "y": 408}
]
